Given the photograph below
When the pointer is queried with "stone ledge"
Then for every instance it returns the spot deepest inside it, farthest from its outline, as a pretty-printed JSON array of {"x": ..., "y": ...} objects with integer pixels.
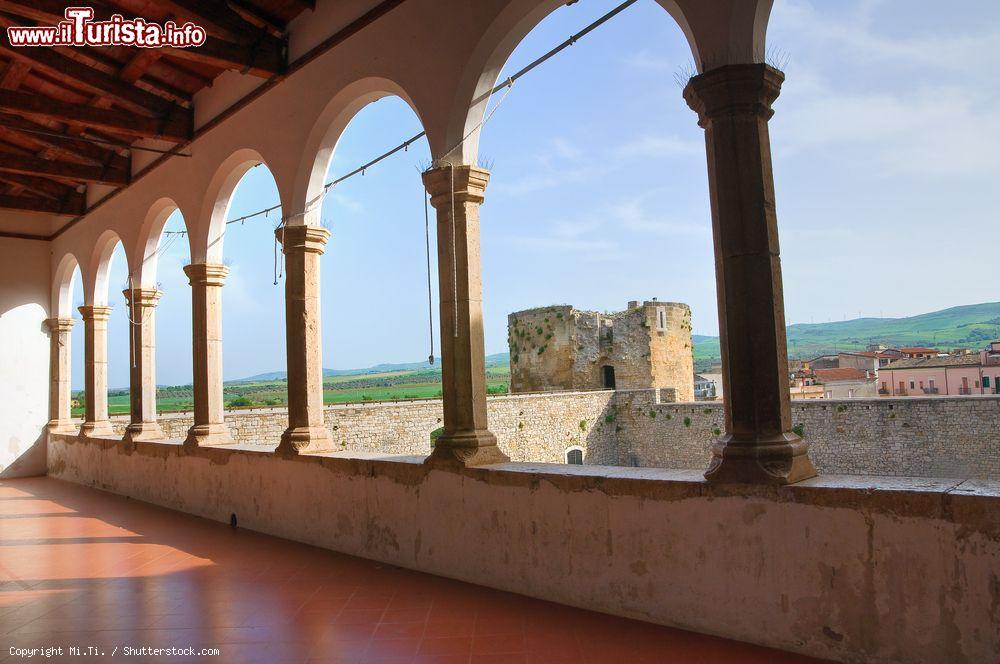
[{"x": 971, "y": 503}]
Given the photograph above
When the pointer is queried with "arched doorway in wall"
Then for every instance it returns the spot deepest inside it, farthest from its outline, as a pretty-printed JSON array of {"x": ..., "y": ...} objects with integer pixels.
[
  {"x": 376, "y": 330},
  {"x": 253, "y": 309}
]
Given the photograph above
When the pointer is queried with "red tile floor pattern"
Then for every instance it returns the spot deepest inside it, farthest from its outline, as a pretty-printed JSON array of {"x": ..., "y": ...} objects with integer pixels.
[{"x": 80, "y": 567}]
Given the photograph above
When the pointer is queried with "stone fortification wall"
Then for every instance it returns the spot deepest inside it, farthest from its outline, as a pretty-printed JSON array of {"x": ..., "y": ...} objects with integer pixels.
[
  {"x": 914, "y": 437},
  {"x": 530, "y": 427},
  {"x": 907, "y": 437}
]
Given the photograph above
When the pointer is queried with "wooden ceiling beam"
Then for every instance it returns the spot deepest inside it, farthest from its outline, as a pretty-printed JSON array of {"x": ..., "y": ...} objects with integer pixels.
[
  {"x": 63, "y": 170},
  {"x": 215, "y": 17},
  {"x": 74, "y": 74},
  {"x": 14, "y": 75},
  {"x": 73, "y": 205},
  {"x": 177, "y": 127},
  {"x": 76, "y": 146},
  {"x": 263, "y": 59},
  {"x": 40, "y": 186}
]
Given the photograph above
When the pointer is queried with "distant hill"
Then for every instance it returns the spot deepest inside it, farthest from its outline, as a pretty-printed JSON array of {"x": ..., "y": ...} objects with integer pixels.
[
  {"x": 498, "y": 359},
  {"x": 972, "y": 325}
]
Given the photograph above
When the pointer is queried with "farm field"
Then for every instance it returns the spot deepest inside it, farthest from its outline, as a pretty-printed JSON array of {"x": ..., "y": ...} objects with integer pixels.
[{"x": 392, "y": 385}]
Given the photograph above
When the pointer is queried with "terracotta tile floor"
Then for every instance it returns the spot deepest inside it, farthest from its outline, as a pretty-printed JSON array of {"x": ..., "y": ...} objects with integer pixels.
[{"x": 80, "y": 567}]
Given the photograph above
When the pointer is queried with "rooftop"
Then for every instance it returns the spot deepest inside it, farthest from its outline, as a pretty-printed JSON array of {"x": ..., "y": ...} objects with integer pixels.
[
  {"x": 831, "y": 375},
  {"x": 935, "y": 362}
]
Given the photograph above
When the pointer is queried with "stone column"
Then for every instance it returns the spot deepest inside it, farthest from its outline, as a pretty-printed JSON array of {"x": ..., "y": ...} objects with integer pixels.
[
  {"x": 209, "y": 427},
  {"x": 141, "y": 304},
  {"x": 303, "y": 246},
  {"x": 95, "y": 371},
  {"x": 734, "y": 105},
  {"x": 456, "y": 194},
  {"x": 60, "y": 396}
]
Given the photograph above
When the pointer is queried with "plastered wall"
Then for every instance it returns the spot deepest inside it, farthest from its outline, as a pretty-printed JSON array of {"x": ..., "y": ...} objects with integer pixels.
[{"x": 24, "y": 356}]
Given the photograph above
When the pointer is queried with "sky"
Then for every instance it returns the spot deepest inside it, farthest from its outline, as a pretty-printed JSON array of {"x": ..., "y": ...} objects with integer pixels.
[{"x": 884, "y": 143}]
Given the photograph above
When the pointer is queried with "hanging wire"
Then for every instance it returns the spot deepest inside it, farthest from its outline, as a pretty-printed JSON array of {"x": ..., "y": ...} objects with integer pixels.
[{"x": 506, "y": 85}]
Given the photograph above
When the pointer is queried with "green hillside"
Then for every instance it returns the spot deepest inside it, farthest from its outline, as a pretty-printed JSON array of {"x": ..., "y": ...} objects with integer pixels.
[
  {"x": 969, "y": 326},
  {"x": 972, "y": 325}
]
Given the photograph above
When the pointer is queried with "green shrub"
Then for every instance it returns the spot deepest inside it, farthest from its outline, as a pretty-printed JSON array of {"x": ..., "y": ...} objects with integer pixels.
[
  {"x": 435, "y": 435},
  {"x": 799, "y": 430},
  {"x": 687, "y": 421}
]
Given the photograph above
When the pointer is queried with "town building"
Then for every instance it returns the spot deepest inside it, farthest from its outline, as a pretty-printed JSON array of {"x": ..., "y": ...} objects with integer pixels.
[
  {"x": 562, "y": 348},
  {"x": 867, "y": 360},
  {"x": 846, "y": 383},
  {"x": 963, "y": 375},
  {"x": 804, "y": 385},
  {"x": 708, "y": 386}
]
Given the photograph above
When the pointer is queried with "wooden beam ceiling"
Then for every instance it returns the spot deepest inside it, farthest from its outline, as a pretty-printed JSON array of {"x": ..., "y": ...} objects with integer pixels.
[
  {"x": 67, "y": 114},
  {"x": 178, "y": 127},
  {"x": 63, "y": 170}
]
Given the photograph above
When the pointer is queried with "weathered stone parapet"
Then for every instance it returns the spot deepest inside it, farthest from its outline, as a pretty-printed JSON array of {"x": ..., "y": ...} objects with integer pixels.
[
  {"x": 456, "y": 193},
  {"x": 60, "y": 393},
  {"x": 842, "y": 568},
  {"x": 206, "y": 281},
  {"x": 303, "y": 246},
  {"x": 141, "y": 306},
  {"x": 95, "y": 370},
  {"x": 757, "y": 446}
]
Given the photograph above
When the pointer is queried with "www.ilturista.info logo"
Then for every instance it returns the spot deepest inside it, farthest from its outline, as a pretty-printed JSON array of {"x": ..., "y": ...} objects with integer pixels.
[{"x": 79, "y": 29}]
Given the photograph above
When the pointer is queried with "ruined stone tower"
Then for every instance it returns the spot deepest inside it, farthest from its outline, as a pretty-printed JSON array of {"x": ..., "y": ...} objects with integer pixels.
[{"x": 561, "y": 348}]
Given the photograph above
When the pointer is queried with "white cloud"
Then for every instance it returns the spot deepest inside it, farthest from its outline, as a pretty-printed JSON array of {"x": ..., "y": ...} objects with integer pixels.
[
  {"x": 661, "y": 146},
  {"x": 634, "y": 216}
]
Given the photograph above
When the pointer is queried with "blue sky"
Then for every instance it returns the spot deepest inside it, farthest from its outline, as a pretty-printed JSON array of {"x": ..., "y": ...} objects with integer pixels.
[{"x": 885, "y": 155}]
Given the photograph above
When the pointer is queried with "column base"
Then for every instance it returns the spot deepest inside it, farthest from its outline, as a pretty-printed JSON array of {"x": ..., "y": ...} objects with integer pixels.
[
  {"x": 208, "y": 435},
  {"x": 139, "y": 431},
  {"x": 781, "y": 459},
  {"x": 62, "y": 426},
  {"x": 466, "y": 449},
  {"x": 100, "y": 429},
  {"x": 305, "y": 440}
]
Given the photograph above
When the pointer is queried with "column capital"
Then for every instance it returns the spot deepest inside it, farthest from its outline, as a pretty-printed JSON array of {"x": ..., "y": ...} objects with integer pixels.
[
  {"x": 734, "y": 91},
  {"x": 469, "y": 184},
  {"x": 60, "y": 324},
  {"x": 306, "y": 239},
  {"x": 142, "y": 297},
  {"x": 206, "y": 274},
  {"x": 95, "y": 312}
]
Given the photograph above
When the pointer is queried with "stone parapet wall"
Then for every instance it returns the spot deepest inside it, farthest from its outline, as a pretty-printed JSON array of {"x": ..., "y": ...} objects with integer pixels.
[
  {"x": 851, "y": 569},
  {"x": 529, "y": 427},
  {"x": 906, "y": 437},
  {"x": 909, "y": 437}
]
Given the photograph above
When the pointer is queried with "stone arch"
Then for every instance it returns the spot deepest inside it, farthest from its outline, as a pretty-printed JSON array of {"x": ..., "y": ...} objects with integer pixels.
[
  {"x": 62, "y": 286},
  {"x": 96, "y": 290},
  {"x": 718, "y": 33},
  {"x": 207, "y": 239},
  {"x": 324, "y": 136},
  {"x": 146, "y": 251}
]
